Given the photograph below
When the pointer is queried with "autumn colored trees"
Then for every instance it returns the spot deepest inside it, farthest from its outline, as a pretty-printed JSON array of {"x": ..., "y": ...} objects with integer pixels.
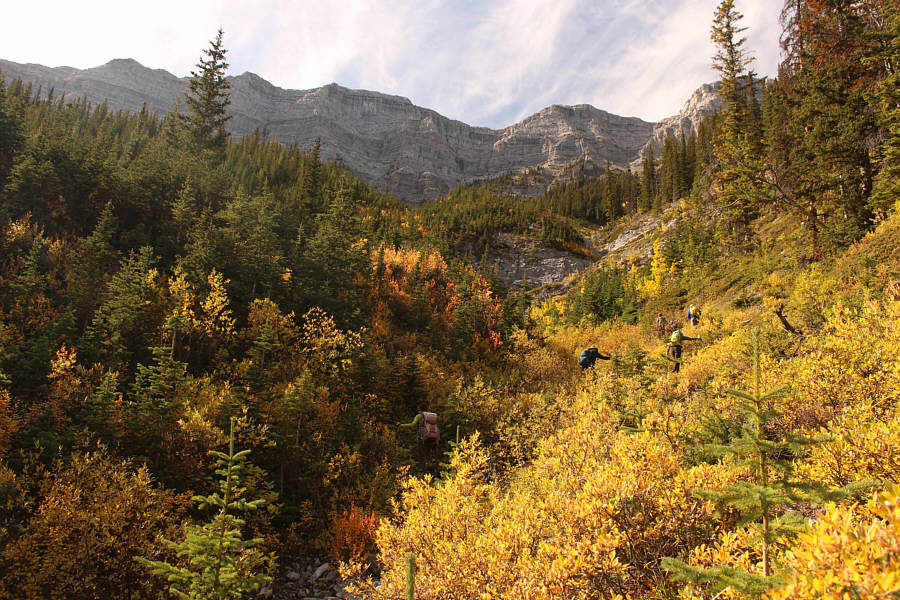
[{"x": 152, "y": 295}]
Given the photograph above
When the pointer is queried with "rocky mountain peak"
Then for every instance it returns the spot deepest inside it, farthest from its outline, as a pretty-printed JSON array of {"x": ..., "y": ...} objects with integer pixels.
[
  {"x": 412, "y": 152},
  {"x": 124, "y": 73},
  {"x": 703, "y": 102},
  {"x": 121, "y": 63}
]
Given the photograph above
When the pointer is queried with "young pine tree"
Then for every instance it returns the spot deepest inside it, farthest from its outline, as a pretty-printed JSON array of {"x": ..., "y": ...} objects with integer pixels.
[
  {"x": 221, "y": 563},
  {"x": 762, "y": 500},
  {"x": 116, "y": 334}
]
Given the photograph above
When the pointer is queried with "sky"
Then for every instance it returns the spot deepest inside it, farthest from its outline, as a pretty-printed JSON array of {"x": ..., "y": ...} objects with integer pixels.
[{"x": 488, "y": 63}]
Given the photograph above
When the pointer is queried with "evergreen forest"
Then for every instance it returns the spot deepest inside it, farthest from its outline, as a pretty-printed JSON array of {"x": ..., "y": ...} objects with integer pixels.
[{"x": 212, "y": 350}]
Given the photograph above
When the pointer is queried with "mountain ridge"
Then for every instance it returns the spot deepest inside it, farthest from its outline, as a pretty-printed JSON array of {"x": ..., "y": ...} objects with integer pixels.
[{"x": 412, "y": 152}]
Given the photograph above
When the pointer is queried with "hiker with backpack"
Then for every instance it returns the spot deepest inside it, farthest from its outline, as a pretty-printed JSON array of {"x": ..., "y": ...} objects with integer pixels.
[
  {"x": 675, "y": 346},
  {"x": 693, "y": 315},
  {"x": 427, "y": 436},
  {"x": 660, "y": 324},
  {"x": 589, "y": 356}
]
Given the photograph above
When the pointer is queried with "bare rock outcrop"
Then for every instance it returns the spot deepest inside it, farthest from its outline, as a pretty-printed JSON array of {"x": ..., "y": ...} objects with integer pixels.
[{"x": 526, "y": 265}]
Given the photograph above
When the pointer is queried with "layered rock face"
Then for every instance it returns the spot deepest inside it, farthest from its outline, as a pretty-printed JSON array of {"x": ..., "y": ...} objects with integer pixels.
[
  {"x": 417, "y": 154},
  {"x": 122, "y": 83},
  {"x": 411, "y": 152}
]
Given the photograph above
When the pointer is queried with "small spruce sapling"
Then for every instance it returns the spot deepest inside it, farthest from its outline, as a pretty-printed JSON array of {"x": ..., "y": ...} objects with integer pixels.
[
  {"x": 765, "y": 498},
  {"x": 221, "y": 563}
]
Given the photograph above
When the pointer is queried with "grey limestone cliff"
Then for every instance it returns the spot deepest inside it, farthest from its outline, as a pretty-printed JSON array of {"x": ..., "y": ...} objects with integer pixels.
[
  {"x": 409, "y": 151},
  {"x": 703, "y": 102}
]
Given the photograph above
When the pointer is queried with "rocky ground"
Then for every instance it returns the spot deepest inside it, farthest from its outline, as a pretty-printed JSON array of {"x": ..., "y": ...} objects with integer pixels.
[
  {"x": 525, "y": 264},
  {"x": 308, "y": 578}
]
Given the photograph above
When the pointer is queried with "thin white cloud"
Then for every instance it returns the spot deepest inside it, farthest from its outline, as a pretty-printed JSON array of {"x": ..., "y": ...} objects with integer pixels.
[
  {"x": 661, "y": 63},
  {"x": 310, "y": 47},
  {"x": 485, "y": 62}
]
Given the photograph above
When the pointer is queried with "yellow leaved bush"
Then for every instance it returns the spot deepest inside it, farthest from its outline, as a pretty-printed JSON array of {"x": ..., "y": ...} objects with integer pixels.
[
  {"x": 851, "y": 551},
  {"x": 590, "y": 517}
]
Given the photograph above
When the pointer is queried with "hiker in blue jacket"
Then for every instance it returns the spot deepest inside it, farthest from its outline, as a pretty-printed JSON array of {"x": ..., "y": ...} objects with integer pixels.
[
  {"x": 589, "y": 356},
  {"x": 693, "y": 315}
]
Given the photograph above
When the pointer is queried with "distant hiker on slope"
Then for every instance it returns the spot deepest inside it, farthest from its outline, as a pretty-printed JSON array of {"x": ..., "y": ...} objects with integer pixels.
[
  {"x": 427, "y": 437},
  {"x": 589, "y": 356},
  {"x": 660, "y": 324},
  {"x": 674, "y": 349},
  {"x": 693, "y": 315}
]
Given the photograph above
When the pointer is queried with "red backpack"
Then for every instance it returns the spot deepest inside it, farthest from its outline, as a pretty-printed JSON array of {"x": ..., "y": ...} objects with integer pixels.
[{"x": 428, "y": 429}]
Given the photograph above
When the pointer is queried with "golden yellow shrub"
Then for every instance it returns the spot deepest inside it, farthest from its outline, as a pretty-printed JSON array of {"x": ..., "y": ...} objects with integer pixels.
[
  {"x": 439, "y": 525},
  {"x": 717, "y": 366},
  {"x": 590, "y": 517},
  {"x": 541, "y": 363},
  {"x": 860, "y": 447},
  {"x": 812, "y": 296},
  {"x": 96, "y": 517},
  {"x": 852, "y": 551},
  {"x": 855, "y": 357}
]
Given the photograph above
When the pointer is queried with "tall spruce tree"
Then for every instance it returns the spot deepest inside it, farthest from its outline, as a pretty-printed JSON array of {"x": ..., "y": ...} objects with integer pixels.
[
  {"x": 335, "y": 256},
  {"x": 630, "y": 192},
  {"x": 791, "y": 163},
  {"x": 740, "y": 164},
  {"x": 668, "y": 171},
  {"x": 312, "y": 177},
  {"x": 887, "y": 186},
  {"x": 687, "y": 163},
  {"x": 648, "y": 180},
  {"x": 93, "y": 265},
  {"x": 207, "y": 100},
  {"x": 11, "y": 136},
  {"x": 611, "y": 204},
  {"x": 823, "y": 144}
]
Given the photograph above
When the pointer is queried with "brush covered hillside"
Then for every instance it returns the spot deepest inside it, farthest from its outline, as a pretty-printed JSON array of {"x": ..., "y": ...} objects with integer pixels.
[{"x": 212, "y": 352}]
